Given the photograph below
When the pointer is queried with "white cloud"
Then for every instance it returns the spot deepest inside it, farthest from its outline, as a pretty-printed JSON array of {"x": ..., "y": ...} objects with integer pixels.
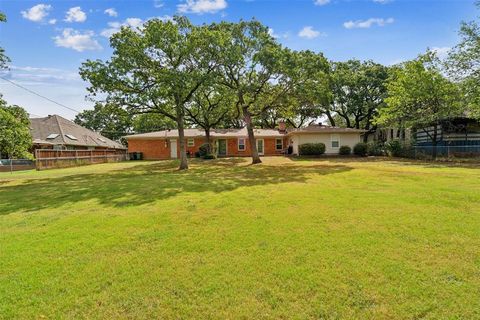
[
  {"x": 277, "y": 35},
  {"x": 157, "y": 3},
  {"x": 75, "y": 14},
  {"x": 111, "y": 12},
  {"x": 441, "y": 52},
  {"x": 364, "y": 24},
  {"x": 309, "y": 33},
  {"x": 52, "y": 21},
  {"x": 114, "y": 27},
  {"x": 37, "y": 13},
  {"x": 321, "y": 2},
  {"x": 77, "y": 40},
  {"x": 382, "y": 1},
  {"x": 202, "y": 6}
]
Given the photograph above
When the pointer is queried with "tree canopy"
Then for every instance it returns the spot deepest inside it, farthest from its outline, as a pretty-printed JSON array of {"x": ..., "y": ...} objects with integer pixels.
[{"x": 15, "y": 138}]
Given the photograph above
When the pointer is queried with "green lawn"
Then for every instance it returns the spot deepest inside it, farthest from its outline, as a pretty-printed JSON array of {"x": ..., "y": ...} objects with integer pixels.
[{"x": 301, "y": 239}]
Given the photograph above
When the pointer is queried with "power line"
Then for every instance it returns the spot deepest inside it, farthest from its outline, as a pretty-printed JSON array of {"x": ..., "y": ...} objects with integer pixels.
[{"x": 39, "y": 95}]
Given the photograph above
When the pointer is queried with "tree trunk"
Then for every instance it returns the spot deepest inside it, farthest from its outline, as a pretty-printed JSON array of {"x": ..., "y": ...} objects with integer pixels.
[
  {"x": 181, "y": 137},
  {"x": 330, "y": 118},
  {"x": 251, "y": 137},
  {"x": 434, "y": 142},
  {"x": 209, "y": 142}
]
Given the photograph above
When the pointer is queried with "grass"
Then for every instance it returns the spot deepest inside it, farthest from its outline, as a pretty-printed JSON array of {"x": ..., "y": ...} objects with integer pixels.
[{"x": 301, "y": 239}]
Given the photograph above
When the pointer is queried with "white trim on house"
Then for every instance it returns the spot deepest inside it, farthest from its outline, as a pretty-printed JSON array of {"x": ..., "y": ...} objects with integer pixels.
[
  {"x": 335, "y": 138},
  {"x": 263, "y": 146},
  {"x": 244, "y": 144},
  {"x": 173, "y": 148},
  {"x": 276, "y": 144}
]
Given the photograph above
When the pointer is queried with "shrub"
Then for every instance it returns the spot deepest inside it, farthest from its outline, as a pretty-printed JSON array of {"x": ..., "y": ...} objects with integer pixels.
[
  {"x": 396, "y": 148},
  {"x": 345, "y": 150},
  {"x": 203, "y": 150},
  {"x": 209, "y": 156},
  {"x": 360, "y": 149},
  {"x": 311, "y": 149},
  {"x": 375, "y": 149}
]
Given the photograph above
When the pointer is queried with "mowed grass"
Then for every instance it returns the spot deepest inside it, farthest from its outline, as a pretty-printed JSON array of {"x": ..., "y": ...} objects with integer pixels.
[{"x": 299, "y": 239}]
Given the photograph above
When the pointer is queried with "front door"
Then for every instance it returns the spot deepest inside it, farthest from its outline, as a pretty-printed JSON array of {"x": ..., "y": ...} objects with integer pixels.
[
  {"x": 173, "y": 148},
  {"x": 221, "y": 147},
  {"x": 260, "y": 147}
]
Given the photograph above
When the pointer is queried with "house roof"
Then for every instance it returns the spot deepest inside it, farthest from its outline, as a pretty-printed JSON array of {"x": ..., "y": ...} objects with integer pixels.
[
  {"x": 214, "y": 133},
  {"x": 315, "y": 128},
  {"x": 55, "y": 130}
]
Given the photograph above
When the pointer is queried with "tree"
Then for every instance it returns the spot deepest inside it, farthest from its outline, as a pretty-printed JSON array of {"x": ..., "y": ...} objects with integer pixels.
[
  {"x": 156, "y": 68},
  {"x": 110, "y": 120},
  {"x": 250, "y": 65},
  {"x": 15, "y": 138},
  {"x": 359, "y": 92},
  {"x": 464, "y": 64},
  {"x": 148, "y": 122},
  {"x": 3, "y": 58},
  {"x": 419, "y": 96},
  {"x": 210, "y": 106}
]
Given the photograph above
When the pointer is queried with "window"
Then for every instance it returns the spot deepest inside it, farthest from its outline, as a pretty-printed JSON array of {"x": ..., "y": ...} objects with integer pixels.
[
  {"x": 191, "y": 142},
  {"x": 69, "y": 136},
  {"x": 241, "y": 144},
  {"x": 52, "y": 136},
  {"x": 278, "y": 144},
  {"x": 335, "y": 139}
]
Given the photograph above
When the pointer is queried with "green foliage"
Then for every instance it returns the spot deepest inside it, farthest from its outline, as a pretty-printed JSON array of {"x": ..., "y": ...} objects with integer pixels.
[
  {"x": 345, "y": 150},
  {"x": 110, "y": 120},
  {"x": 359, "y": 92},
  {"x": 360, "y": 149},
  {"x": 15, "y": 138},
  {"x": 397, "y": 148},
  {"x": 311, "y": 149},
  {"x": 203, "y": 150},
  {"x": 419, "y": 95},
  {"x": 148, "y": 122},
  {"x": 3, "y": 58},
  {"x": 375, "y": 149}
]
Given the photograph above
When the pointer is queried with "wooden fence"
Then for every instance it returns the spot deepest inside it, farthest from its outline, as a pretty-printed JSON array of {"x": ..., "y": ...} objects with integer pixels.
[{"x": 49, "y": 158}]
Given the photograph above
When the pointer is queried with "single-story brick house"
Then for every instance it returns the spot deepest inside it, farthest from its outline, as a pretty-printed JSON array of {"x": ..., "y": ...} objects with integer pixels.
[{"x": 234, "y": 142}]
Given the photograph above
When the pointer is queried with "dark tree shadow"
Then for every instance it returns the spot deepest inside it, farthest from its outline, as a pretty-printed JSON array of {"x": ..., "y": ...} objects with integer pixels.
[
  {"x": 150, "y": 182},
  {"x": 459, "y": 163}
]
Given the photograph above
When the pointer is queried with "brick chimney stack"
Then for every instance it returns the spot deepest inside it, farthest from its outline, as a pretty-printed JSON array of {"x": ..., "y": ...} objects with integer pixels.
[{"x": 282, "y": 126}]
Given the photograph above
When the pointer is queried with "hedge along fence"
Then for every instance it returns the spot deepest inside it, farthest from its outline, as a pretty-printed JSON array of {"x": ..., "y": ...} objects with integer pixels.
[{"x": 49, "y": 159}]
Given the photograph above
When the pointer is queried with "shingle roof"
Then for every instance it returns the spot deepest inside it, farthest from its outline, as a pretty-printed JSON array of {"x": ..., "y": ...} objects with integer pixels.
[
  {"x": 323, "y": 129},
  {"x": 41, "y": 128},
  {"x": 215, "y": 133}
]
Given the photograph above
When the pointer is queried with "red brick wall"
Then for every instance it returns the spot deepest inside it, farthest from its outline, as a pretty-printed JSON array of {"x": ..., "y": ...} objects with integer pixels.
[{"x": 156, "y": 149}]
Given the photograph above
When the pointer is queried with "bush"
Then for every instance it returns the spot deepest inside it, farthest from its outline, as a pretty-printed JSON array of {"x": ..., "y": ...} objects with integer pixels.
[
  {"x": 203, "y": 150},
  {"x": 311, "y": 149},
  {"x": 209, "y": 156},
  {"x": 345, "y": 150},
  {"x": 396, "y": 148},
  {"x": 375, "y": 149},
  {"x": 360, "y": 149}
]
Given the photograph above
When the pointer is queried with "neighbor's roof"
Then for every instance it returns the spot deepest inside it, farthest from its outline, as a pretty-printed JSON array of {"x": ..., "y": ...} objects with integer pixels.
[
  {"x": 214, "y": 133},
  {"x": 55, "y": 130},
  {"x": 315, "y": 128}
]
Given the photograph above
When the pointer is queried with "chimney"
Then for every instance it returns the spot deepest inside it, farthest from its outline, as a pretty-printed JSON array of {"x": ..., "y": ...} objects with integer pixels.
[{"x": 282, "y": 126}]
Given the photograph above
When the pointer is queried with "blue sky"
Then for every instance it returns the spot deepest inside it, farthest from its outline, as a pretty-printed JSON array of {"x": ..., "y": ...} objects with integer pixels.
[{"x": 48, "y": 40}]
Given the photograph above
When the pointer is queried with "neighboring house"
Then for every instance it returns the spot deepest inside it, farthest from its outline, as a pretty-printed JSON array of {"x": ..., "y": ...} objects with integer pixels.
[
  {"x": 456, "y": 135},
  {"x": 234, "y": 142},
  {"x": 55, "y": 132}
]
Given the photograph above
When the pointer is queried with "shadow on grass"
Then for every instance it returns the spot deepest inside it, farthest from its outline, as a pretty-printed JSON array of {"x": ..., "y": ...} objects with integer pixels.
[
  {"x": 469, "y": 163},
  {"x": 147, "y": 183}
]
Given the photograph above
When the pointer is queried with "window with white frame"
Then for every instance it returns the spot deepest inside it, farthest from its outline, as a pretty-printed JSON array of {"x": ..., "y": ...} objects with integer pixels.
[
  {"x": 335, "y": 139},
  {"x": 278, "y": 144},
  {"x": 191, "y": 142},
  {"x": 241, "y": 144}
]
